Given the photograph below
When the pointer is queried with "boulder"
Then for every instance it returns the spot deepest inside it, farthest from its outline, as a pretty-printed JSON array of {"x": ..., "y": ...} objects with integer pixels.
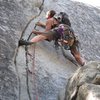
[
  {"x": 89, "y": 92},
  {"x": 84, "y": 84}
]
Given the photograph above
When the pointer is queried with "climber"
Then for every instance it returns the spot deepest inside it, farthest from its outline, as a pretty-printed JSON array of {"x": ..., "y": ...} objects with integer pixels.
[
  {"x": 58, "y": 34},
  {"x": 50, "y": 24}
]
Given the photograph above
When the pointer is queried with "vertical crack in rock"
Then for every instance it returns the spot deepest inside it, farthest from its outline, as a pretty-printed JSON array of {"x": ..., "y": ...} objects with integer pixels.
[{"x": 26, "y": 48}]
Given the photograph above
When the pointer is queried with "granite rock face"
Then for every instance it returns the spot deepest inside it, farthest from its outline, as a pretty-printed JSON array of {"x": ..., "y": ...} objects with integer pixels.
[
  {"x": 50, "y": 77},
  {"x": 12, "y": 21},
  {"x": 84, "y": 83}
]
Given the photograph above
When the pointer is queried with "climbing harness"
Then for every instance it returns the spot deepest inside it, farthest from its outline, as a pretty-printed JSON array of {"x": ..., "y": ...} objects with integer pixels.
[{"x": 65, "y": 33}]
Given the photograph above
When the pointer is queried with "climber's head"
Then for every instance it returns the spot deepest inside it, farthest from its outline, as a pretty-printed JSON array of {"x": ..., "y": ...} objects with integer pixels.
[{"x": 50, "y": 14}]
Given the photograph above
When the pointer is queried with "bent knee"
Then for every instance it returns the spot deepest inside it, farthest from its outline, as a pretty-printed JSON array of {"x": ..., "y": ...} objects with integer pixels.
[{"x": 38, "y": 38}]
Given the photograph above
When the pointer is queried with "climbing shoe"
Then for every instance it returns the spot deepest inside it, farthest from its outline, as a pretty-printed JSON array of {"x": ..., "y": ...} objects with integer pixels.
[{"x": 24, "y": 42}]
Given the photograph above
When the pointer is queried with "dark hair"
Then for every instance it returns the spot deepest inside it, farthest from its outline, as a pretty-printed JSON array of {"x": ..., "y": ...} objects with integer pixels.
[
  {"x": 52, "y": 13},
  {"x": 65, "y": 19}
]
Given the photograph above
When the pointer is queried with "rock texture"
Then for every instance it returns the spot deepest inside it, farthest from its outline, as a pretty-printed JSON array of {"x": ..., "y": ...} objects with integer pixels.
[
  {"x": 84, "y": 84},
  {"x": 12, "y": 21},
  {"x": 52, "y": 69}
]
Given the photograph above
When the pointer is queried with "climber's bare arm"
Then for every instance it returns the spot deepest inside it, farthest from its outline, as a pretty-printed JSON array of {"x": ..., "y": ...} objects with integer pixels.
[
  {"x": 48, "y": 28},
  {"x": 41, "y": 24}
]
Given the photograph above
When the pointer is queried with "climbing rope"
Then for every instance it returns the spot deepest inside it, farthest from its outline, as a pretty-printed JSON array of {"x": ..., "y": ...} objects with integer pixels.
[
  {"x": 32, "y": 72},
  {"x": 33, "y": 75}
]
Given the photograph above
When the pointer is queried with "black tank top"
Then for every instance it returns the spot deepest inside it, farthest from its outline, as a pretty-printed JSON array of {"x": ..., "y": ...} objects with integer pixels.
[{"x": 54, "y": 25}]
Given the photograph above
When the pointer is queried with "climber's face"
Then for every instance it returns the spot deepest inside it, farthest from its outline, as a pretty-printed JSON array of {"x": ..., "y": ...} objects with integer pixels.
[{"x": 48, "y": 14}]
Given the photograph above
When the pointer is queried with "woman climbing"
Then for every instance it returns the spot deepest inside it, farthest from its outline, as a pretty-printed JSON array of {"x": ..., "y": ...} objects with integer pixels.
[{"x": 62, "y": 33}]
